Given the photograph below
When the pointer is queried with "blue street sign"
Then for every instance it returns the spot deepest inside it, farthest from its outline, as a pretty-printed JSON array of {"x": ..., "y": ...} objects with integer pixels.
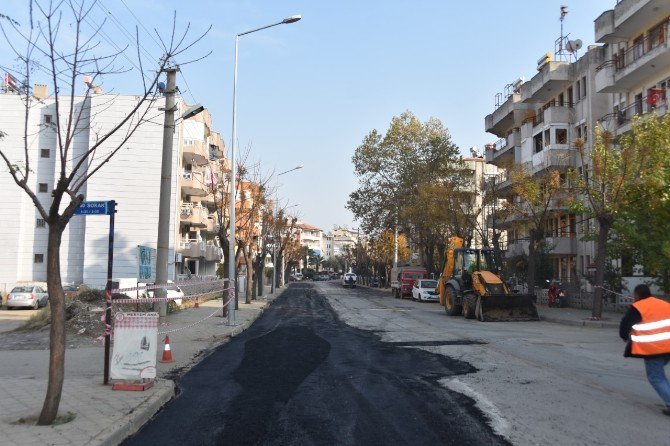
[{"x": 93, "y": 208}]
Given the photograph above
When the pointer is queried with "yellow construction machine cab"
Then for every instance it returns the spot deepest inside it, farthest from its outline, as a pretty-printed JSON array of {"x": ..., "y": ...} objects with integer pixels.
[{"x": 470, "y": 285}]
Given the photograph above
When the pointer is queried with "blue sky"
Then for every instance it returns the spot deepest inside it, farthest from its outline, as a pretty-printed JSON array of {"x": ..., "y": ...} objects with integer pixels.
[{"x": 309, "y": 92}]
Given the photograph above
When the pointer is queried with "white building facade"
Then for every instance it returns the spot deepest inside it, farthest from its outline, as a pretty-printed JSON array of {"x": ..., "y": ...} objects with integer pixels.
[{"x": 131, "y": 178}]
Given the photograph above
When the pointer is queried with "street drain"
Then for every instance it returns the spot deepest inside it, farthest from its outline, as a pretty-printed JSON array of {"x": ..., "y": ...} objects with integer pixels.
[{"x": 435, "y": 343}]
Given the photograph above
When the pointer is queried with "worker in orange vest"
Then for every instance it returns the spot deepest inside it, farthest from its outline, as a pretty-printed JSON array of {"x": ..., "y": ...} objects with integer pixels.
[{"x": 646, "y": 327}]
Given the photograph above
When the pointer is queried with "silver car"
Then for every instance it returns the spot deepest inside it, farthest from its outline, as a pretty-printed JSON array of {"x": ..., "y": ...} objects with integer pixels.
[{"x": 31, "y": 296}]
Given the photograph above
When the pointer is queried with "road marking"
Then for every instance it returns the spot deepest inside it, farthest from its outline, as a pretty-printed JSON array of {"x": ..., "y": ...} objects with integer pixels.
[{"x": 499, "y": 424}]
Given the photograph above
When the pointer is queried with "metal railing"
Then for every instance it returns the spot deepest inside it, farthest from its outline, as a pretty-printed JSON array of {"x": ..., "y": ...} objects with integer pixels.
[{"x": 654, "y": 38}]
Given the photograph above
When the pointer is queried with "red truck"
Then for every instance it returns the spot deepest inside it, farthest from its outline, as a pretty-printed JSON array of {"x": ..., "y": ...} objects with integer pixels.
[{"x": 403, "y": 277}]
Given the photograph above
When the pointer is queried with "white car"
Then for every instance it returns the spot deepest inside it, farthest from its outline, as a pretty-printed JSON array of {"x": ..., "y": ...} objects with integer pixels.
[
  {"x": 349, "y": 279},
  {"x": 173, "y": 292},
  {"x": 31, "y": 296},
  {"x": 424, "y": 290}
]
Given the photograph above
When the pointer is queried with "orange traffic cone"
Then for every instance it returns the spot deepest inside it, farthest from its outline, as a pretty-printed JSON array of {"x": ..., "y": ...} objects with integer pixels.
[
  {"x": 197, "y": 303},
  {"x": 167, "y": 352}
]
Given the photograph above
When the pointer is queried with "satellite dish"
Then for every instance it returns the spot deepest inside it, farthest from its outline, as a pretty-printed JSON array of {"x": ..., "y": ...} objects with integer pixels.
[{"x": 574, "y": 45}]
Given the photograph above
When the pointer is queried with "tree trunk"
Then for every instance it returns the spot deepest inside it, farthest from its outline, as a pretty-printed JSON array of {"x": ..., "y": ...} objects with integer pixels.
[
  {"x": 532, "y": 261},
  {"x": 249, "y": 285},
  {"x": 430, "y": 258},
  {"x": 280, "y": 269},
  {"x": 604, "y": 226},
  {"x": 57, "y": 330},
  {"x": 260, "y": 276}
]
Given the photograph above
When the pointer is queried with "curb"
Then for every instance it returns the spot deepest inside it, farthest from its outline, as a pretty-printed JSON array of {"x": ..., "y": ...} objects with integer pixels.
[
  {"x": 133, "y": 421},
  {"x": 580, "y": 323}
]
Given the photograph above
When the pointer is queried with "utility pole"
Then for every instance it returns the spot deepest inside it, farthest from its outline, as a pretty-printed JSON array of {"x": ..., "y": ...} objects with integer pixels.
[
  {"x": 395, "y": 243},
  {"x": 163, "y": 243}
]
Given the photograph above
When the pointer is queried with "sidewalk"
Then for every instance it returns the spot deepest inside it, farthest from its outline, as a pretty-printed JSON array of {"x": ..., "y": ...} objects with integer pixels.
[
  {"x": 103, "y": 416},
  {"x": 578, "y": 317}
]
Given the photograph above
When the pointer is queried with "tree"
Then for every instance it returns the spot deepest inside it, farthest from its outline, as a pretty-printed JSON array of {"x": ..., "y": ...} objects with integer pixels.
[
  {"x": 537, "y": 195},
  {"x": 381, "y": 250},
  {"x": 644, "y": 225},
  {"x": 610, "y": 171},
  {"x": 65, "y": 67}
]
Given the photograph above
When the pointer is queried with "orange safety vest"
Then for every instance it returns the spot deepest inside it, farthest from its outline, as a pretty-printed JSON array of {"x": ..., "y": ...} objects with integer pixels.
[{"x": 651, "y": 336}]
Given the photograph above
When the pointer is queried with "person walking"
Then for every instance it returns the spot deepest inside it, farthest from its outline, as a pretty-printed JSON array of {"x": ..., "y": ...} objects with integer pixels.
[{"x": 646, "y": 328}]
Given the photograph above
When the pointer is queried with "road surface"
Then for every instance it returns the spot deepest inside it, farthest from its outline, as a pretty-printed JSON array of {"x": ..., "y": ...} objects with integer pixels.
[
  {"x": 328, "y": 365},
  {"x": 301, "y": 376}
]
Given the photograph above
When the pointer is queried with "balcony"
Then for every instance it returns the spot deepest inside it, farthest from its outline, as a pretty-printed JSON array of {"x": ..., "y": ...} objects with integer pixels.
[
  {"x": 624, "y": 117},
  {"x": 506, "y": 117},
  {"x": 196, "y": 153},
  {"x": 213, "y": 253},
  {"x": 562, "y": 245},
  {"x": 517, "y": 248},
  {"x": 604, "y": 27},
  {"x": 193, "y": 183},
  {"x": 211, "y": 225},
  {"x": 557, "y": 156},
  {"x": 192, "y": 248},
  {"x": 553, "y": 77},
  {"x": 638, "y": 63},
  {"x": 193, "y": 215},
  {"x": 630, "y": 16},
  {"x": 558, "y": 114},
  {"x": 503, "y": 151}
]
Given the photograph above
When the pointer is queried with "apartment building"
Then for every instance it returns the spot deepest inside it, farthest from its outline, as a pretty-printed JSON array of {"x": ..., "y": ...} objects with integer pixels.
[
  {"x": 310, "y": 236},
  {"x": 131, "y": 177},
  {"x": 636, "y": 69},
  {"x": 481, "y": 174},
  {"x": 537, "y": 122}
]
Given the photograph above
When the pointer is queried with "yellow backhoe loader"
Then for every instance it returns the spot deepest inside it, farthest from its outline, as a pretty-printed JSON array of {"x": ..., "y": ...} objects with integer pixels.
[{"x": 469, "y": 285}]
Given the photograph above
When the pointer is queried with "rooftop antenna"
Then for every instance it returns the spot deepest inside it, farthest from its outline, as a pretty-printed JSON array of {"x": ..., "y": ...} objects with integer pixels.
[{"x": 565, "y": 49}]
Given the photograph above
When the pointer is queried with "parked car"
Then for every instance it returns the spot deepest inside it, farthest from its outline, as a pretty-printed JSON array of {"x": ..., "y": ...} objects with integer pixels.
[
  {"x": 323, "y": 277},
  {"x": 71, "y": 290},
  {"x": 297, "y": 277},
  {"x": 424, "y": 290},
  {"x": 173, "y": 291},
  {"x": 31, "y": 296},
  {"x": 349, "y": 280}
]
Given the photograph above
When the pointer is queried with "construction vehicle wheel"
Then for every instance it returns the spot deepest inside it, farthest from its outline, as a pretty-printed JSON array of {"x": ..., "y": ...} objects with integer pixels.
[
  {"x": 449, "y": 306},
  {"x": 478, "y": 310},
  {"x": 469, "y": 306}
]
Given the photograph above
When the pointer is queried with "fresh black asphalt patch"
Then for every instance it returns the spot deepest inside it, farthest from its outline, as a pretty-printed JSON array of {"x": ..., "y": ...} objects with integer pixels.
[{"x": 300, "y": 376}]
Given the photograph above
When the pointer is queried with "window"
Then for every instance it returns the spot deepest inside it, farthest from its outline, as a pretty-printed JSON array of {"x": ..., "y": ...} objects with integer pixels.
[
  {"x": 638, "y": 104},
  {"x": 40, "y": 223},
  {"x": 547, "y": 136},
  {"x": 571, "y": 95},
  {"x": 538, "y": 142},
  {"x": 585, "y": 132},
  {"x": 43, "y": 187},
  {"x": 638, "y": 47},
  {"x": 584, "y": 86},
  {"x": 39, "y": 258},
  {"x": 561, "y": 136},
  {"x": 561, "y": 100},
  {"x": 45, "y": 153},
  {"x": 48, "y": 119},
  {"x": 578, "y": 130},
  {"x": 188, "y": 141},
  {"x": 578, "y": 90}
]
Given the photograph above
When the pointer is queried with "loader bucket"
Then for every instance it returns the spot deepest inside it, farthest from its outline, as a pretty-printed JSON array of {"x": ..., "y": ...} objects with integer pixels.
[{"x": 503, "y": 307}]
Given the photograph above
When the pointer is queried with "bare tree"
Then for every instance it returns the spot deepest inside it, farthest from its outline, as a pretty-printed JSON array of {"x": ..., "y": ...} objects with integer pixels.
[{"x": 42, "y": 47}]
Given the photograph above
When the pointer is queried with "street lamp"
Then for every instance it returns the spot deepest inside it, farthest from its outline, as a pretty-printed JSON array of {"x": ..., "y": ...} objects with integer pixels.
[
  {"x": 231, "y": 238},
  {"x": 274, "y": 245}
]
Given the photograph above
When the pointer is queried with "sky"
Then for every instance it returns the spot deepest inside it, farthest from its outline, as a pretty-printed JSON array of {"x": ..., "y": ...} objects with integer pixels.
[{"x": 309, "y": 92}]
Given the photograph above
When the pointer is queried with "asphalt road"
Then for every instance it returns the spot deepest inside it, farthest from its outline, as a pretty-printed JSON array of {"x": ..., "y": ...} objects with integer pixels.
[{"x": 301, "y": 376}]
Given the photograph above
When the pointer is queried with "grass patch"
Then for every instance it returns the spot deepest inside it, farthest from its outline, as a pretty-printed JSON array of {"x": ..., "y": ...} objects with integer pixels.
[
  {"x": 64, "y": 418},
  {"x": 39, "y": 319}
]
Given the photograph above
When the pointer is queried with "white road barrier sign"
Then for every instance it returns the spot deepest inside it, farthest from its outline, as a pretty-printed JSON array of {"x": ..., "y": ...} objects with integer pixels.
[{"x": 134, "y": 351}]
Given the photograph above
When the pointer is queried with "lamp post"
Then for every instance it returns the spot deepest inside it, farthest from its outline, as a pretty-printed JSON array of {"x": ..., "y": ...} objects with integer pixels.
[
  {"x": 274, "y": 244},
  {"x": 231, "y": 238}
]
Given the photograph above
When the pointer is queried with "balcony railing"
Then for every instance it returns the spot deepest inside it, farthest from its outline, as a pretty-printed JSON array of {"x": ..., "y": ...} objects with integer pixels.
[{"x": 642, "y": 47}]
